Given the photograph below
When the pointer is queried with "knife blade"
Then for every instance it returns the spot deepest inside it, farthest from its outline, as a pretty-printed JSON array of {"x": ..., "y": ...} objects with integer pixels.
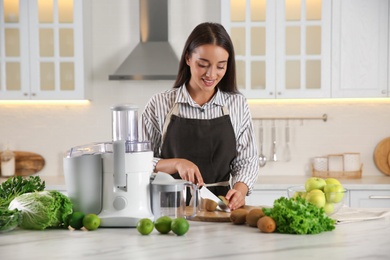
[{"x": 205, "y": 193}]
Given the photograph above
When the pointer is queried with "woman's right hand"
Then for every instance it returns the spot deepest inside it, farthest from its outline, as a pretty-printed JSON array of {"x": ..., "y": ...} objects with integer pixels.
[{"x": 187, "y": 170}]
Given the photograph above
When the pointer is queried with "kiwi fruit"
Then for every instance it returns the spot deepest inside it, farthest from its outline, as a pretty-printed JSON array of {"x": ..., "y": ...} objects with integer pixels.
[
  {"x": 266, "y": 224},
  {"x": 253, "y": 216},
  {"x": 210, "y": 205},
  {"x": 224, "y": 200},
  {"x": 238, "y": 216}
]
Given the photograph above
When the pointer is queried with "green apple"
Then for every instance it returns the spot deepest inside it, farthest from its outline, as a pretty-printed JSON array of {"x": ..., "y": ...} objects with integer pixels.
[
  {"x": 314, "y": 183},
  {"x": 301, "y": 194},
  {"x": 317, "y": 197},
  {"x": 334, "y": 193},
  {"x": 329, "y": 208},
  {"x": 332, "y": 181}
]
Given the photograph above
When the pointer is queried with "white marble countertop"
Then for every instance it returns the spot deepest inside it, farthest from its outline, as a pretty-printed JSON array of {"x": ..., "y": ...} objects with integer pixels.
[
  {"x": 368, "y": 239},
  {"x": 264, "y": 182}
]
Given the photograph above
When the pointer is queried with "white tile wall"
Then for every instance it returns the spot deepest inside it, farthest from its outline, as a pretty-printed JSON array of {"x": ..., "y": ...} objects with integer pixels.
[
  {"x": 52, "y": 129},
  {"x": 352, "y": 126}
]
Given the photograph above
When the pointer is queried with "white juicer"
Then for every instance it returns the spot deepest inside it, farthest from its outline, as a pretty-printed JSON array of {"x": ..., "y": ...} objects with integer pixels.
[{"x": 112, "y": 179}]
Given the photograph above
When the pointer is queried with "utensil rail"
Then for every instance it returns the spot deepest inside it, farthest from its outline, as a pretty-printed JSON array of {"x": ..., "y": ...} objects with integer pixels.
[{"x": 324, "y": 118}]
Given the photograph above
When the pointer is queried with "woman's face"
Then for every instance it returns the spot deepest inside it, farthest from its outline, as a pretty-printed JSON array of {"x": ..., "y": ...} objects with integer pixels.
[{"x": 208, "y": 65}]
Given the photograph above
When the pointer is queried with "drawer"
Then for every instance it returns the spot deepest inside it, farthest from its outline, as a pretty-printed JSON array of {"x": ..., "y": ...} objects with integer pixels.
[{"x": 370, "y": 198}]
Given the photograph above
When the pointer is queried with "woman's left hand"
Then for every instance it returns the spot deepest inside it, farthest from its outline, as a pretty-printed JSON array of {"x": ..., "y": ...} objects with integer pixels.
[{"x": 236, "y": 196}]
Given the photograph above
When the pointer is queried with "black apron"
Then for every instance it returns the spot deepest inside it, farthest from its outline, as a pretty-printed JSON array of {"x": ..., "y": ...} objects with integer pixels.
[{"x": 209, "y": 144}]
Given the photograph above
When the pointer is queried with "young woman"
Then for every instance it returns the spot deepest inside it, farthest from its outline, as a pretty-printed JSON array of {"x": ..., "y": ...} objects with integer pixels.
[{"x": 201, "y": 129}]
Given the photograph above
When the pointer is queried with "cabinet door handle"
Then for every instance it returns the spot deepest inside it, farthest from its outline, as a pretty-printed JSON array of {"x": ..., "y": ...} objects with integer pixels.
[{"x": 379, "y": 197}]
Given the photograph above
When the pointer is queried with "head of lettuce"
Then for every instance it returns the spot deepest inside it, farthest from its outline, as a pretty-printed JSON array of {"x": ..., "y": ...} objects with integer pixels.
[{"x": 43, "y": 209}]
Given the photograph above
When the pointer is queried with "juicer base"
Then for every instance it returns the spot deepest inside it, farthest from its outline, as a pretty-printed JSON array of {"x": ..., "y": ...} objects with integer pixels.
[{"x": 120, "y": 221}]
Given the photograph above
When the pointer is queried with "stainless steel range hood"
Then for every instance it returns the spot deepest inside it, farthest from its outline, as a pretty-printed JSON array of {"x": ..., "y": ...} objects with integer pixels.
[{"x": 153, "y": 58}]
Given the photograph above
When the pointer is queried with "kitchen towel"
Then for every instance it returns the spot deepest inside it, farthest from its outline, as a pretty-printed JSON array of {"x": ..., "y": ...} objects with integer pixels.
[{"x": 348, "y": 215}]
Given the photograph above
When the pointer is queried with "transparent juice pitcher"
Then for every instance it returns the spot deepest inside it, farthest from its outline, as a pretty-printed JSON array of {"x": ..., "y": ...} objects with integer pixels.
[{"x": 168, "y": 197}]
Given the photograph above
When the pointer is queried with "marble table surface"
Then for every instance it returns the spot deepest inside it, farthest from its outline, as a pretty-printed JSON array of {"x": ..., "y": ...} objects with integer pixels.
[
  {"x": 264, "y": 182},
  {"x": 367, "y": 239}
]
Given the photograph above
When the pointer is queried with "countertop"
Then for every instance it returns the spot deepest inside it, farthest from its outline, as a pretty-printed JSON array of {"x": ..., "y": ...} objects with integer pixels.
[
  {"x": 367, "y": 239},
  {"x": 266, "y": 182}
]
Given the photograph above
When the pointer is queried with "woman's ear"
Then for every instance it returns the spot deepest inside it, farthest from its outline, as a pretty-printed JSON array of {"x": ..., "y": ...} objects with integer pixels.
[{"x": 187, "y": 59}]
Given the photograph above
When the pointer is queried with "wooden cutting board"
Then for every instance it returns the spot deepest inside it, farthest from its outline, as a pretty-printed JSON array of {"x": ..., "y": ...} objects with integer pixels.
[
  {"x": 214, "y": 216},
  {"x": 382, "y": 155},
  {"x": 26, "y": 163},
  {"x": 388, "y": 160}
]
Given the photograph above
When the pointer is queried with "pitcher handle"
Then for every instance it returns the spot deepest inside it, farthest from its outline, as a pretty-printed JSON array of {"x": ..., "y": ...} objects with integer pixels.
[{"x": 195, "y": 200}]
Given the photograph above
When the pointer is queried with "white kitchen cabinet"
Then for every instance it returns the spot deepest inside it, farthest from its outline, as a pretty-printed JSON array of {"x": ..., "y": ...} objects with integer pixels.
[
  {"x": 360, "y": 53},
  {"x": 44, "y": 50},
  {"x": 311, "y": 48},
  {"x": 265, "y": 197},
  {"x": 370, "y": 198},
  {"x": 377, "y": 198},
  {"x": 282, "y": 47}
]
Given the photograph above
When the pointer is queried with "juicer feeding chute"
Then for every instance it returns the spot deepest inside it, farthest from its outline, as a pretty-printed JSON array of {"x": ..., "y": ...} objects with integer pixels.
[
  {"x": 125, "y": 123},
  {"x": 125, "y": 139}
]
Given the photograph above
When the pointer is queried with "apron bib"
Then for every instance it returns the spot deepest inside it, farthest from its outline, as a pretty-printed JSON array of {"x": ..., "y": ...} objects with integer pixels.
[{"x": 210, "y": 144}]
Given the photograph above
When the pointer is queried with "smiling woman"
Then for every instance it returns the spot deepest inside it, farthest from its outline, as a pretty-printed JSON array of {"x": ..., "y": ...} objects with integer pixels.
[
  {"x": 206, "y": 72},
  {"x": 201, "y": 129}
]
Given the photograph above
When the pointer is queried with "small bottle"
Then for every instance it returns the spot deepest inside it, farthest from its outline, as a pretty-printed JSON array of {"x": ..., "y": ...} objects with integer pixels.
[{"x": 7, "y": 163}]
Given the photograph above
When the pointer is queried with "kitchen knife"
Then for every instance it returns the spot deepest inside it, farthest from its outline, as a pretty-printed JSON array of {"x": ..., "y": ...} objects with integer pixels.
[{"x": 207, "y": 194}]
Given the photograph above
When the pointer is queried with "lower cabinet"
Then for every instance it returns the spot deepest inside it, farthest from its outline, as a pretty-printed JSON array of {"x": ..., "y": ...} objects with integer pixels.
[
  {"x": 264, "y": 197},
  {"x": 357, "y": 198},
  {"x": 370, "y": 198}
]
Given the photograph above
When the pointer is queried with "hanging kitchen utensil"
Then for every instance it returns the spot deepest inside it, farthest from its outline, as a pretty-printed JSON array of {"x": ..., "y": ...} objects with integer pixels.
[
  {"x": 262, "y": 157},
  {"x": 286, "y": 150},
  {"x": 273, "y": 151}
]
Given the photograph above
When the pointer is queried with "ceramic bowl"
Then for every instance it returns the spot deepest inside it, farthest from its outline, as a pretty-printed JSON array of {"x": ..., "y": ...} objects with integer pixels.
[{"x": 334, "y": 200}]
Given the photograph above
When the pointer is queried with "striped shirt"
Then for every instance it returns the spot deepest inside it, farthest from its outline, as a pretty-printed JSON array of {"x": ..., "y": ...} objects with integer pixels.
[{"x": 245, "y": 167}]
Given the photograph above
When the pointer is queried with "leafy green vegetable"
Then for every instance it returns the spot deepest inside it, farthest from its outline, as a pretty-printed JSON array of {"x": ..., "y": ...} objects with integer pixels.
[
  {"x": 298, "y": 216},
  {"x": 9, "y": 219},
  {"x": 17, "y": 185},
  {"x": 43, "y": 209}
]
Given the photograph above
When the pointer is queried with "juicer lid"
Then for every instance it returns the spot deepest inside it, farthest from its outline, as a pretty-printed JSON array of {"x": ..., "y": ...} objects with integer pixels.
[{"x": 162, "y": 178}]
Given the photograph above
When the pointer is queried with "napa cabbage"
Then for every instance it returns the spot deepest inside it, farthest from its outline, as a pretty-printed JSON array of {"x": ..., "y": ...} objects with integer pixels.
[{"x": 43, "y": 209}]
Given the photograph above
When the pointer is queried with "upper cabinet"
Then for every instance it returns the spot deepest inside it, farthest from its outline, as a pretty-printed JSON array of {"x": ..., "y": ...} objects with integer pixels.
[
  {"x": 360, "y": 48},
  {"x": 309, "y": 48},
  {"x": 43, "y": 54}
]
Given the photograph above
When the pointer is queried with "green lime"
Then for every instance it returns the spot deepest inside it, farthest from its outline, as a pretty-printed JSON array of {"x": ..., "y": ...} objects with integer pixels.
[
  {"x": 180, "y": 226},
  {"x": 163, "y": 224},
  {"x": 76, "y": 220},
  {"x": 145, "y": 226},
  {"x": 91, "y": 221}
]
